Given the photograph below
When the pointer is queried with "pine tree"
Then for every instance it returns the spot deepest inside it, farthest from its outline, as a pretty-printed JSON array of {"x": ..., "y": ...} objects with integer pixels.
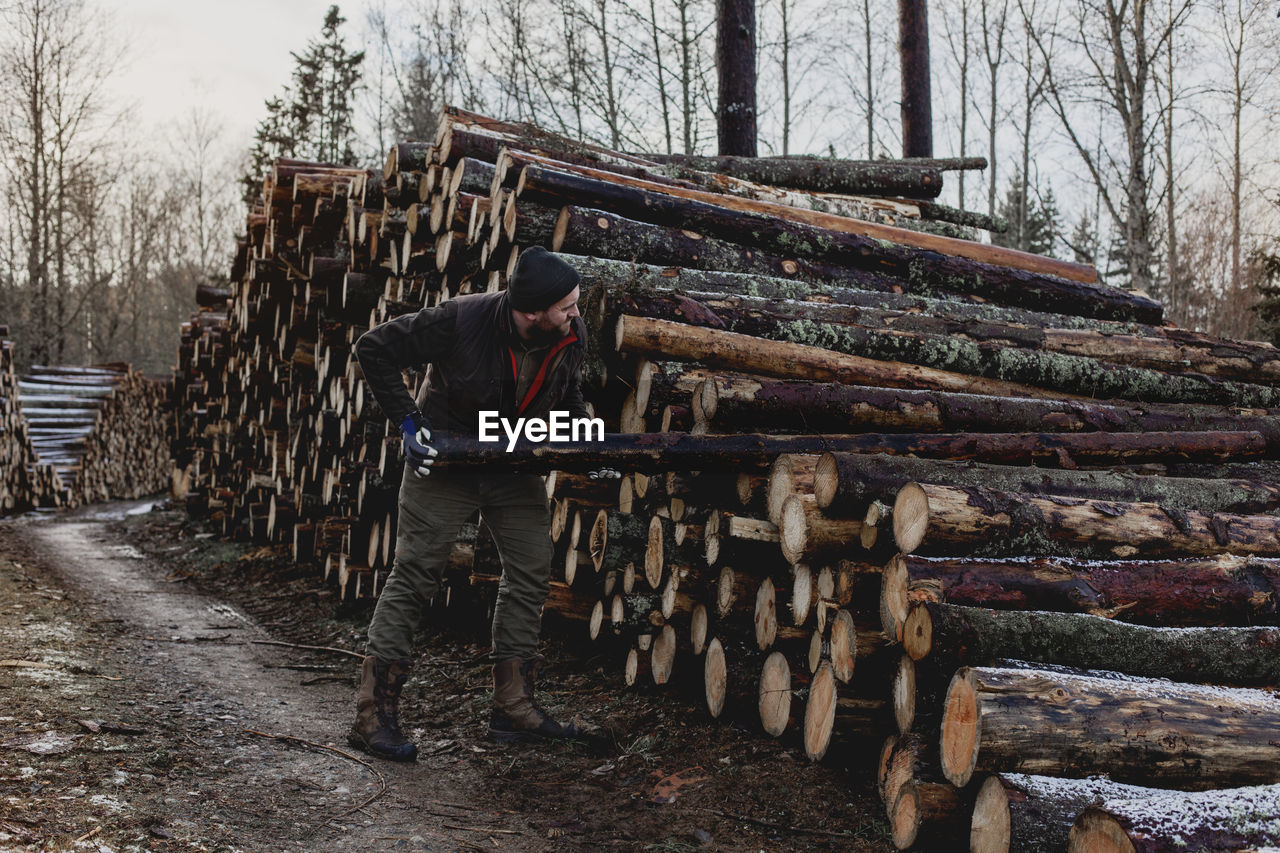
[
  {"x": 1266, "y": 269},
  {"x": 313, "y": 118},
  {"x": 1040, "y": 232}
]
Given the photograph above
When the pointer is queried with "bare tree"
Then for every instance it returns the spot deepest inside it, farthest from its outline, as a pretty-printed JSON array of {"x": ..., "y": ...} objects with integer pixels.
[
  {"x": 960, "y": 45},
  {"x": 1250, "y": 45},
  {"x": 736, "y": 69},
  {"x": 55, "y": 57},
  {"x": 994, "y": 19},
  {"x": 1117, "y": 44}
]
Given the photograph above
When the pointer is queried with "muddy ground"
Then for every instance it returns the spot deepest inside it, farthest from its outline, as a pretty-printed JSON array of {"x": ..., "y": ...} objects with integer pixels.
[{"x": 147, "y": 704}]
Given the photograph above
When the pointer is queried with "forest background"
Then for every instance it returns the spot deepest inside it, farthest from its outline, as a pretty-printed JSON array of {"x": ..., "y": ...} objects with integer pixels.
[{"x": 1137, "y": 135}]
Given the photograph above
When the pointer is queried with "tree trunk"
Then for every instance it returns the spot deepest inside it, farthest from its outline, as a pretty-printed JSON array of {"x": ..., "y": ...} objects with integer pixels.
[
  {"x": 917, "y": 104},
  {"x": 1223, "y": 590},
  {"x": 1019, "y": 812},
  {"x": 845, "y": 484},
  {"x": 664, "y": 198},
  {"x": 974, "y": 636},
  {"x": 1232, "y": 819},
  {"x": 848, "y": 177},
  {"x": 1141, "y": 731},
  {"x": 1000, "y": 361},
  {"x": 736, "y": 72},
  {"x": 945, "y": 520},
  {"x": 777, "y": 404}
]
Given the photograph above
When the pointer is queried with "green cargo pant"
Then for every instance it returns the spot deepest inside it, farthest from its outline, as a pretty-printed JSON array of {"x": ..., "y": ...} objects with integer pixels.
[{"x": 432, "y": 508}]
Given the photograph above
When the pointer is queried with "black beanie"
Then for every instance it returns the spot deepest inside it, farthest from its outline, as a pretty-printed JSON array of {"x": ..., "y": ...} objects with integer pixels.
[{"x": 541, "y": 280}]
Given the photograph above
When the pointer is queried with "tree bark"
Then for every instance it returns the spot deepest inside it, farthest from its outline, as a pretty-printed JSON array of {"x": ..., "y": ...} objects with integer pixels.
[
  {"x": 777, "y": 404},
  {"x": 848, "y": 177},
  {"x": 737, "y": 452},
  {"x": 1005, "y": 361},
  {"x": 1141, "y": 731},
  {"x": 1164, "y": 822},
  {"x": 974, "y": 636},
  {"x": 950, "y": 521},
  {"x": 1223, "y": 590},
  {"x": 736, "y": 73},
  {"x": 845, "y": 484},
  {"x": 917, "y": 104},
  {"x": 1020, "y": 812}
]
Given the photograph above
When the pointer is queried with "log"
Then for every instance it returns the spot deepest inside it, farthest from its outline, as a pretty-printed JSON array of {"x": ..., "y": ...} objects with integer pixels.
[
  {"x": 827, "y": 406},
  {"x": 1152, "y": 732},
  {"x": 651, "y": 196},
  {"x": 847, "y": 483},
  {"x": 617, "y": 538},
  {"x": 1015, "y": 811},
  {"x": 974, "y": 636},
  {"x": 1224, "y": 590},
  {"x": 864, "y": 307},
  {"x": 928, "y": 813},
  {"x": 1002, "y": 360},
  {"x": 1164, "y": 822},
  {"x": 602, "y": 233},
  {"x": 849, "y": 177},
  {"x": 665, "y": 339},
  {"x": 806, "y": 535},
  {"x": 950, "y": 521}
]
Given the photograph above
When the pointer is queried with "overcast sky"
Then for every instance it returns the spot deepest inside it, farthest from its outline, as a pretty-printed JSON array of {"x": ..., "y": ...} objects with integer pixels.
[{"x": 228, "y": 55}]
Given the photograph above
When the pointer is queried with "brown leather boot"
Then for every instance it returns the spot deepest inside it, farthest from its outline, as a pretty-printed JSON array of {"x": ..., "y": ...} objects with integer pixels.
[
  {"x": 516, "y": 716},
  {"x": 377, "y": 726}
]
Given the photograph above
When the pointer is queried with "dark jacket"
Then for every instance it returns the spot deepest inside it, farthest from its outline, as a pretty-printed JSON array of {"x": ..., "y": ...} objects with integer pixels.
[{"x": 466, "y": 344}]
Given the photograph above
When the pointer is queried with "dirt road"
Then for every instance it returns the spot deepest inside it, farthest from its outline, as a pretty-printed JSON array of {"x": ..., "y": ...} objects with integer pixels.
[{"x": 131, "y": 698}]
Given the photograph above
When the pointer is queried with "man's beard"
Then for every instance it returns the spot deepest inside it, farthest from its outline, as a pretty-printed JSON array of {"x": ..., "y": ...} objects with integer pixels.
[{"x": 539, "y": 335}]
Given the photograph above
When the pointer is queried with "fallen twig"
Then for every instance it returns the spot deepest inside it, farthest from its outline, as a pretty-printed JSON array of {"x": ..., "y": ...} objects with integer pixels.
[
  {"x": 311, "y": 648},
  {"x": 382, "y": 780}
]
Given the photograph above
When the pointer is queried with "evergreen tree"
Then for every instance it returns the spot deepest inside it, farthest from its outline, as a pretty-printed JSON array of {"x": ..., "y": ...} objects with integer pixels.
[
  {"x": 1266, "y": 272},
  {"x": 1040, "y": 232},
  {"x": 314, "y": 117}
]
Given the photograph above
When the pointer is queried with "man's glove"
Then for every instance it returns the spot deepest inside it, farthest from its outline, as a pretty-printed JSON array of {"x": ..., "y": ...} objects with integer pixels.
[
  {"x": 605, "y": 474},
  {"x": 417, "y": 449}
]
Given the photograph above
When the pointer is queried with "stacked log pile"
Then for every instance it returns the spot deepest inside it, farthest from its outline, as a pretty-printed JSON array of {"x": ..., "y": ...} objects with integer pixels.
[
  {"x": 25, "y": 482},
  {"x": 100, "y": 430},
  {"x": 880, "y": 482}
]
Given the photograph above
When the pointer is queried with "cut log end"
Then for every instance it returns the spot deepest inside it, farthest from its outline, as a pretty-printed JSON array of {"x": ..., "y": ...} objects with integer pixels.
[
  {"x": 904, "y": 817},
  {"x": 893, "y": 598},
  {"x": 910, "y": 517},
  {"x": 844, "y": 638},
  {"x": 698, "y": 625},
  {"x": 1095, "y": 831},
  {"x": 724, "y": 591},
  {"x": 990, "y": 830},
  {"x": 557, "y": 238},
  {"x": 654, "y": 553},
  {"x": 596, "y": 622},
  {"x": 715, "y": 677},
  {"x": 775, "y": 694},
  {"x": 878, "y": 515},
  {"x": 801, "y": 594},
  {"x": 960, "y": 731},
  {"x": 766, "y": 614},
  {"x": 793, "y": 529},
  {"x": 663, "y": 655},
  {"x": 917, "y": 633},
  {"x": 820, "y": 713},
  {"x": 631, "y": 668},
  {"x": 598, "y": 539},
  {"x": 904, "y": 694},
  {"x": 826, "y": 478},
  {"x": 706, "y": 400}
]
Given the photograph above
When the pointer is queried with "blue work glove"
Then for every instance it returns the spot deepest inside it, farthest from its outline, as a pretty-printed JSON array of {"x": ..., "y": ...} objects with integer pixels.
[
  {"x": 417, "y": 448},
  {"x": 605, "y": 474}
]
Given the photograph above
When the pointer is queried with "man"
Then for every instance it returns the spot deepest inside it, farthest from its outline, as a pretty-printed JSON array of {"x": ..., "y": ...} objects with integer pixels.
[{"x": 519, "y": 353}]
